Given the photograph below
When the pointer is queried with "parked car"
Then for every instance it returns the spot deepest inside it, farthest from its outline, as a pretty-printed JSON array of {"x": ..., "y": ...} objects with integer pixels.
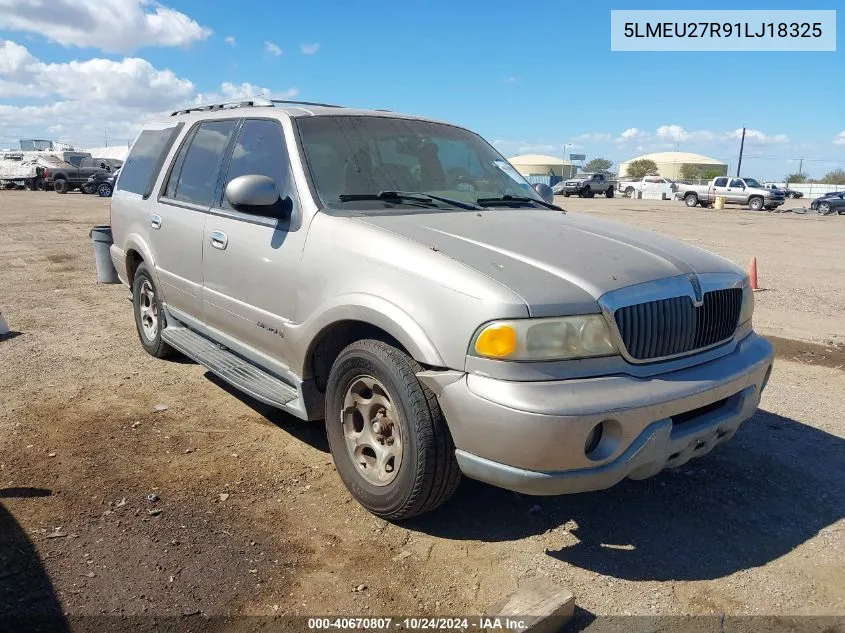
[
  {"x": 831, "y": 202},
  {"x": 744, "y": 191},
  {"x": 329, "y": 262},
  {"x": 649, "y": 183},
  {"x": 588, "y": 185},
  {"x": 101, "y": 183},
  {"x": 70, "y": 177},
  {"x": 787, "y": 192}
]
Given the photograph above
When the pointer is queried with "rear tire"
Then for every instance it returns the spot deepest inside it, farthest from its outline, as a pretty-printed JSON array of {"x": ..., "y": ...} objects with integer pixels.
[
  {"x": 149, "y": 317},
  {"x": 60, "y": 186},
  {"x": 691, "y": 200},
  {"x": 372, "y": 384}
]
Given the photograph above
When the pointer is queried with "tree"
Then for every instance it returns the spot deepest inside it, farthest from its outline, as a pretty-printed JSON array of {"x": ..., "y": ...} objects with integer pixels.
[
  {"x": 690, "y": 171},
  {"x": 598, "y": 166},
  {"x": 710, "y": 174},
  {"x": 797, "y": 178},
  {"x": 835, "y": 177},
  {"x": 641, "y": 168}
]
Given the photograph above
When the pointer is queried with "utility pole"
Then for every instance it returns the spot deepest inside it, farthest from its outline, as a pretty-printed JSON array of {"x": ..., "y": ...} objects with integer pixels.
[
  {"x": 800, "y": 166},
  {"x": 106, "y": 134},
  {"x": 741, "y": 147}
]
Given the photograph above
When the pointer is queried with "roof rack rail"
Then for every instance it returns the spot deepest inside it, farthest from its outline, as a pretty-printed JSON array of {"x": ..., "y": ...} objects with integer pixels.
[
  {"x": 308, "y": 103},
  {"x": 257, "y": 102}
]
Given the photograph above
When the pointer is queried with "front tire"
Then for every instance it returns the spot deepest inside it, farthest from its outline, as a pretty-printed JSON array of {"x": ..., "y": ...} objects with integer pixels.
[
  {"x": 755, "y": 204},
  {"x": 609, "y": 192},
  {"x": 60, "y": 186},
  {"x": 104, "y": 190},
  {"x": 629, "y": 192},
  {"x": 824, "y": 208},
  {"x": 149, "y": 317},
  {"x": 388, "y": 437},
  {"x": 566, "y": 194},
  {"x": 691, "y": 200},
  {"x": 587, "y": 193}
]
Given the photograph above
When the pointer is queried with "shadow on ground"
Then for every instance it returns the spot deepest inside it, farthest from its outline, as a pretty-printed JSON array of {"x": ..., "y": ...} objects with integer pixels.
[
  {"x": 312, "y": 433},
  {"x": 748, "y": 502},
  {"x": 28, "y": 601}
]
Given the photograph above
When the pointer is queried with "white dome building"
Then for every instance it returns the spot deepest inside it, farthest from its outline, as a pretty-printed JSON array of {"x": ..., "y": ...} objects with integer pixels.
[
  {"x": 669, "y": 163},
  {"x": 542, "y": 165}
]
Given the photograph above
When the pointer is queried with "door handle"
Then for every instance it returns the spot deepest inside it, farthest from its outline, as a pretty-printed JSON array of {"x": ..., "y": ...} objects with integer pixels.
[
  {"x": 155, "y": 221},
  {"x": 219, "y": 240}
]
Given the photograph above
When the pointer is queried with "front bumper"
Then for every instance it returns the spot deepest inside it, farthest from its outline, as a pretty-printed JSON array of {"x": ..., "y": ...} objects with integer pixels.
[
  {"x": 768, "y": 202},
  {"x": 530, "y": 436},
  {"x": 573, "y": 188}
]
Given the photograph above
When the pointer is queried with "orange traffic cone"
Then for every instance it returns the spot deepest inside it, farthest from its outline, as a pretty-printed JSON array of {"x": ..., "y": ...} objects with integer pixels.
[{"x": 752, "y": 274}]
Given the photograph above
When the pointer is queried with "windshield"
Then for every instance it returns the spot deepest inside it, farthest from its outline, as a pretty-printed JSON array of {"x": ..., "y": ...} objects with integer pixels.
[
  {"x": 751, "y": 182},
  {"x": 349, "y": 157}
]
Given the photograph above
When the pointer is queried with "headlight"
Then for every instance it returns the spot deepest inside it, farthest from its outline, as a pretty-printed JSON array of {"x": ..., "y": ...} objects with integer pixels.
[
  {"x": 747, "y": 302},
  {"x": 544, "y": 339}
]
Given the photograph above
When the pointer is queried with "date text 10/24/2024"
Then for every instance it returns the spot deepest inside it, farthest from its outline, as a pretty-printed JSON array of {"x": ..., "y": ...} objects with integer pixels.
[{"x": 419, "y": 624}]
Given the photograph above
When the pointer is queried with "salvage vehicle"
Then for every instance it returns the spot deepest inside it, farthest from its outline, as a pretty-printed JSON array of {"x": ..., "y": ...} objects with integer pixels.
[
  {"x": 787, "y": 192},
  {"x": 399, "y": 279},
  {"x": 70, "y": 177},
  {"x": 745, "y": 191},
  {"x": 25, "y": 170},
  {"x": 101, "y": 183},
  {"x": 588, "y": 185},
  {"x": 649, "y": 183},
  {"x": 831, "y": 202}
]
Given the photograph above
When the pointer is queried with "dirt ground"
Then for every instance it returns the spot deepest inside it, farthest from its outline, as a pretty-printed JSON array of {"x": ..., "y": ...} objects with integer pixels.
[{"x": 249, "y": 516}]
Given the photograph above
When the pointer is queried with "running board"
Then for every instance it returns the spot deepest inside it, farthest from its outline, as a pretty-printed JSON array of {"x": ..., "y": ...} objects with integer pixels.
[{"x": 230, "y": 367}]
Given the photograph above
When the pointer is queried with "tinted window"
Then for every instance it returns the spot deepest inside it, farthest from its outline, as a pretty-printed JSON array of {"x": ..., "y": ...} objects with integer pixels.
[
  {"x": 721, "y": 182},
  {"x": 196, "y": 180},
  {"x": 736, "y": 182},
  {"x": 260, "y": 149},
  {"x": 145, "y": 158}
]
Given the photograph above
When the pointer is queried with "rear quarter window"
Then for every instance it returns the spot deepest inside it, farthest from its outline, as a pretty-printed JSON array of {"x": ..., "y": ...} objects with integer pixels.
[{"x": 145, "y": 160}]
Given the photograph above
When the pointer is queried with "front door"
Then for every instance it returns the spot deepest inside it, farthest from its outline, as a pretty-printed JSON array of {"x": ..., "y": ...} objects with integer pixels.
[
  {"x": 177, "y": 217},
  {"x": 736, "y": 191},
  {"x": 250, "y": 262}
]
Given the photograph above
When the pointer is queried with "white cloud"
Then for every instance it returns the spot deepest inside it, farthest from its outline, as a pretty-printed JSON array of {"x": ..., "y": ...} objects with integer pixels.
[
  {"x": 676, "y": 133},
  {"x": 309, "y": 49},
  {"x": 272, "y": 49},
  {"x": 115, "y": 26},
  {"x": 230, "y": 41},
  {"x": 840, "y": 138},
  {"x": 81, "y": 99},
  {"x": 756, "y": 136},
  {"x": 631, "y": 134},
  {"x": 594, "y": 136}
]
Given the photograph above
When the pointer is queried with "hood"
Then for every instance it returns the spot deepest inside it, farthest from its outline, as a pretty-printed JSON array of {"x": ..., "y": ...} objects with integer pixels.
[{"x": 557, "y": 263}]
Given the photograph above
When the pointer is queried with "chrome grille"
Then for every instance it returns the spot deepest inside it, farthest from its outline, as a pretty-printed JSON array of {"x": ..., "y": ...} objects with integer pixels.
[{"x": 674, "y": 326}]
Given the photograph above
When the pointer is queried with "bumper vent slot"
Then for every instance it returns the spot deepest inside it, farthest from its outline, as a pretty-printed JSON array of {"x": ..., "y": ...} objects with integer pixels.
[{"x": 674, "y": 326}]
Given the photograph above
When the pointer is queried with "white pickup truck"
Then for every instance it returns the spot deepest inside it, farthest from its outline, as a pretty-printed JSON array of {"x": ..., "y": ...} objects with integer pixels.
[{"x": 744, "y": 191}]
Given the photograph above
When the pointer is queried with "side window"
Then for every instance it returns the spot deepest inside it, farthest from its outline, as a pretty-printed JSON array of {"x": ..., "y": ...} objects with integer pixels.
[
  {"x": 736, "y": 182},
  {"x": 145, "y": 159},
  {"x": 721, "y": 182},
  {"x": 260, "y": 149},
  {"x": 196, "y": 179}
]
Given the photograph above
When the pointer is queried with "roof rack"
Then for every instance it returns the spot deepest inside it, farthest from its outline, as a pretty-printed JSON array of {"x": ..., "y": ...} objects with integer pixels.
[
  {"x": 308, "y": 103},
  {"x": 257, "y": 102}
]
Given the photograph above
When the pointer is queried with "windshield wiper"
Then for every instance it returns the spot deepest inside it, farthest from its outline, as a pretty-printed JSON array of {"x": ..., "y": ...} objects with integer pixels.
[
  {"x": 486, "y": 202},
  {"x": 413, "y": 196}
]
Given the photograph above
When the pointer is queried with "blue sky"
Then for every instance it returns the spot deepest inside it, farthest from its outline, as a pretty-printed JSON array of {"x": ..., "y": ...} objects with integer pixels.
[{"x": 530, "y": 77}]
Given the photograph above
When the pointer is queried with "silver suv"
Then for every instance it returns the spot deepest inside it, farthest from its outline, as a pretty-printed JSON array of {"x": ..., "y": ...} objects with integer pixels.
[{"x": 398, "y": 278}]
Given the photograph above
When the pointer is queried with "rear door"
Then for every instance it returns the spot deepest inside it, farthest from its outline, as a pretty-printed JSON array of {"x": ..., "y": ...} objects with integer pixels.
[
  {"x": 251, "y": 262},
  {"x": 177, "y": 217},
  {"x": 720, "y": 188}
]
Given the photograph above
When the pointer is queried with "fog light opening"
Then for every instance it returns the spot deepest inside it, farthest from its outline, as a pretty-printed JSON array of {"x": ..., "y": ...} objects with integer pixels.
[
  {"x": 603, "y": 440},
  {"x": 593, "y": 438},
  {"x": 766, "y": 379}
]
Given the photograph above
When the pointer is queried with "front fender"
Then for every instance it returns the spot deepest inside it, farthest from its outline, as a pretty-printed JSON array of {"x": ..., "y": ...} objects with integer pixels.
[{"x": 369, "y": 309}]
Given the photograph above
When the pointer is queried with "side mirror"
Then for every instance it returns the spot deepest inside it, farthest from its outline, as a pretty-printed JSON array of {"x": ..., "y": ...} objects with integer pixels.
[
  {"x": 546, "y": 192},
  {"x": 254, "y": 194}
]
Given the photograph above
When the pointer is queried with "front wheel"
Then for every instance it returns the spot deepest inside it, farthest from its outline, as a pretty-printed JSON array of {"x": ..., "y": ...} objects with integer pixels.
[
  {"x": 609, "y": 192},
  {"x": 629, "y": 191},
  {"x": 388, "y": 438},
  {"x": 104, "y": 190},
  {"x": 566, "y": 194},
  {"x": 824, "y": 208},
  {"x": 587, "y": 193},
  {"x": 149, "y": 317},
  {"x": 755, "y": 204},
  {"x": 691, "y": 199}
]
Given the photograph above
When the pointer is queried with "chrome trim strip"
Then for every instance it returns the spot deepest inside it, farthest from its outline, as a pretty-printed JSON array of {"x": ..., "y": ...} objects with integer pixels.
[{"x": 669, "y": 288}]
